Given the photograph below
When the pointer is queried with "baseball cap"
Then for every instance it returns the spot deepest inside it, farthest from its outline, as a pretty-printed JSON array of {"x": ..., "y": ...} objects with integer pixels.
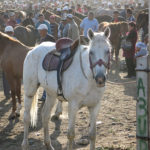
[
  {"x": 11, "y": 14},
  {"x": 140, "y": 45},
  {"x": 58, "y": 9},
  {"x": 42, "y": 27},
  {"x": 66, "y": 8},
  {"x": 70, "y": 16},
  {"x": 9, "y": 29}
]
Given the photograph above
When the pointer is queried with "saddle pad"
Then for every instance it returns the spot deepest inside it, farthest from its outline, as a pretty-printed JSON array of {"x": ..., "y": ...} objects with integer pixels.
[{"x": 51, "y": 62}]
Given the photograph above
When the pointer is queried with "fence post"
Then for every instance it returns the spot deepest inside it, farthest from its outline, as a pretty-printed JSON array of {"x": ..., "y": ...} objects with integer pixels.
[{"x": 143, "y": 100}]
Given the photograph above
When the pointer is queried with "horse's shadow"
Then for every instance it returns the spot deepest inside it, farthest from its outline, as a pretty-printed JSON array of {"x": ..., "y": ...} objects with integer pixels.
[
  {"x": 4, "y": 108},
  {"x": 55, "y": 134}
]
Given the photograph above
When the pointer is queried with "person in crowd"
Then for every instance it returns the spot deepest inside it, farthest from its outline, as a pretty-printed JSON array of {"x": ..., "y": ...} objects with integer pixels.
[
  {"x": 129, "y": 15},
  {"x": 116, "y": 17},
  {"x": 85, "y": 10},
  {"x": 9, "y": 31},
  {"x": 43, "y": 30},
  {"x": 12, "y": 20},
  {"x": 79, "y": 9},
  {"x": 65, "y": 12},
  {"x": 28, "y": 20},
  {"x": 73, "y": 32},
  {"x": 141, "y": 49},
  {"x": 129, "y": 54},
  {"x": 123, "y": 13},
  {"x": 89, "y": 23},
  {"x": 54, "y": 27},
  {"x": 65, "y": 27},
  {"x": 43, "y": 21}
]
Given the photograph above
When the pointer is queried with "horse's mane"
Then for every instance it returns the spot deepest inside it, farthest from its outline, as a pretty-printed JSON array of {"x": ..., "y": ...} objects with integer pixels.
[{"x": 12, "y": 40}]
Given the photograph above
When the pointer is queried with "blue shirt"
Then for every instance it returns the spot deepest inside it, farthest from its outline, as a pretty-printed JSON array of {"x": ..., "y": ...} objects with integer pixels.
[
  {"x": 87, "y": 24},
  {"x": 131, "y": 18},
  {"x": 143, "y": 51},
  {"x": 46, "y": 23}
]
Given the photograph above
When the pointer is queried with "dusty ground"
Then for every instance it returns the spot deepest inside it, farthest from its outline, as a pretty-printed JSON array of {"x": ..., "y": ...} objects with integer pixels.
[{"x": 116, "y": 122}]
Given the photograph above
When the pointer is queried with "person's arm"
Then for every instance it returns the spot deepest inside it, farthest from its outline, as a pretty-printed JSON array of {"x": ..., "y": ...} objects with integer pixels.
[{"x": 82, "y": 27}]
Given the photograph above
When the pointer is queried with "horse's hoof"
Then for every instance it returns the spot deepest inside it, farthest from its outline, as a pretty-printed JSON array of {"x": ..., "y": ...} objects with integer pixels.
[
  {"x": 17, "y": 115},
  {"x": 12, "y": 116},
  {"x": 55, "y": 117}
]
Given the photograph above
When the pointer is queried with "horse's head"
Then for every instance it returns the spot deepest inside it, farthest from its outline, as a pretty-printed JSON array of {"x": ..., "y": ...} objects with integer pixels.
[{"x": 99, "y": 55}]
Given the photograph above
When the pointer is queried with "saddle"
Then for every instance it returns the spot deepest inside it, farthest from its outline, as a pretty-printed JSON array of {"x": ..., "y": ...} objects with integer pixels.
[{"x": 51, "y": 59}]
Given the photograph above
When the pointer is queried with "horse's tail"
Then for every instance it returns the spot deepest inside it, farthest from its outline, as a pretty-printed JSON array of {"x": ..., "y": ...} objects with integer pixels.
[{"x": 34, "y": 109}]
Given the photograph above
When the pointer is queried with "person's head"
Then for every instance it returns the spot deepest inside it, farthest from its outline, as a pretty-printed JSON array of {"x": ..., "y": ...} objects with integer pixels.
[
  {"x": 139, "y": 45},
  {"x": 12, "y": 16},
  {"x": 90, "y": 15},
  {"x": 115, "y": 14},
  {"x": 69, "y": 18},
  {"x": 9, "y": 30},
  {"x": 129, "y": 12},
  {"x": 43, "y": 29},
  {"x": 5, "y": 18},
  {"x": 78, "y": 6},
  {"x": 30, "y": 15},
  {"x": 52, "y": 19},
  {"x": 64, "y": 20},
  {"x": 126, "y": 6},
  {"x": 41, "y": 17},
  {"x": 131, "y": 25}
]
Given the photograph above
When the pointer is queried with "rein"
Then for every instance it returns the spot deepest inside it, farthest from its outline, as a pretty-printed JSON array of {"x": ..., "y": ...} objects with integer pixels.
[{"x": 100, "y": 62}]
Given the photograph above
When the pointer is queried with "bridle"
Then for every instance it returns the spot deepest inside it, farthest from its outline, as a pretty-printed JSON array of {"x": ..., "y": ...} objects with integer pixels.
[{"x": 100, "y": 62}]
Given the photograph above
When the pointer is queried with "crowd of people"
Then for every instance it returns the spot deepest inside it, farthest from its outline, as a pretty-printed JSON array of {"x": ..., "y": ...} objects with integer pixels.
[{"x": 51, "y": 30}]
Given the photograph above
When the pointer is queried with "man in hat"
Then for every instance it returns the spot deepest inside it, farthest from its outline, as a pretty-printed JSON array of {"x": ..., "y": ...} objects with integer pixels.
[
  {"x": 43, "y": 30},
  {"x": 73, "y": 32},
  {"x": 43, "y": 21},
  {"x": 12, "y": 22}
]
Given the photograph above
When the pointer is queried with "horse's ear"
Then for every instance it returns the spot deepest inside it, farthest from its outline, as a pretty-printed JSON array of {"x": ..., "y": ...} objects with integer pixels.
[
  {"x": 90, "y": 34},
  {"x": 75, "y": 44},
  {"x": 107, "y": 32}
]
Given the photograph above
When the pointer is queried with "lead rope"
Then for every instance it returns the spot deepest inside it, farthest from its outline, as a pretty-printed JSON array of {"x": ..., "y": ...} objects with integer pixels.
[{"x": 81, "y": 65}]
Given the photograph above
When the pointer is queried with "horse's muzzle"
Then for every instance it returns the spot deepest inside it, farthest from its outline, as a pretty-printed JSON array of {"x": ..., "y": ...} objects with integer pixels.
[{"x": 100, "y": 80}]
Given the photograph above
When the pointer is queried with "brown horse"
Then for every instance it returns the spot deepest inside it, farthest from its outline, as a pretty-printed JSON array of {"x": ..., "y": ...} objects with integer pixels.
[
  {"x": 117, "y": 29},
  {"x": 12, "y": 55}
]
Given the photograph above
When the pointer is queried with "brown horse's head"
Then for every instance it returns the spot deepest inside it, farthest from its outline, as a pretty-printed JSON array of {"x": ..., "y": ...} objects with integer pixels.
[{"x": 142, "y": 20}]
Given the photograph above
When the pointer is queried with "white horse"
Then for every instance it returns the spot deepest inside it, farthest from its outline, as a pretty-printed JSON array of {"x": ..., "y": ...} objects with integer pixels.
[{"x": 83, "y": 85}]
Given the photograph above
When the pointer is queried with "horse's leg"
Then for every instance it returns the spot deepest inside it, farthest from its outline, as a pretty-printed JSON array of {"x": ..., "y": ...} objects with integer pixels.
[
  {"x": 72, "y": 110},
  {"x": 27, "y": 107},
  {"x": 117, "y": 49},
  {"x": 12, "y": 84},
  {"x": 18, "y": 92},
  {"x": 92, "y": 131},
  {"x": 48, "y": 105},
  {"x": 58, "y": 111}
]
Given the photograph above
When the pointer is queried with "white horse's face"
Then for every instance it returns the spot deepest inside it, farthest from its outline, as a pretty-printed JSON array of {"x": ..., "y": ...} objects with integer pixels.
[{"x": 99, "y": 55}]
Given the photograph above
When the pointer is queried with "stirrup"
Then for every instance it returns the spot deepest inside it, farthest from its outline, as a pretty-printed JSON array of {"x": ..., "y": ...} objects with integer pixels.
[{"x": 61, "y": 97}]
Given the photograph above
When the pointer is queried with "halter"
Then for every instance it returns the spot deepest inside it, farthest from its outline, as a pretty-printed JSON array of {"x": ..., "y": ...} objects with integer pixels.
[{"x": 100, "y": 62}]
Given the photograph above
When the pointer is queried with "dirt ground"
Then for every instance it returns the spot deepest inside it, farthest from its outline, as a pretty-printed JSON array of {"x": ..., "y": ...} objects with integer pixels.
[{"x": 116, "y": 122}]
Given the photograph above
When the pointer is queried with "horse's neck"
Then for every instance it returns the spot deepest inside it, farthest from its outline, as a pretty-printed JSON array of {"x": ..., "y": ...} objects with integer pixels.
[{"x": 85, "y": 61}]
